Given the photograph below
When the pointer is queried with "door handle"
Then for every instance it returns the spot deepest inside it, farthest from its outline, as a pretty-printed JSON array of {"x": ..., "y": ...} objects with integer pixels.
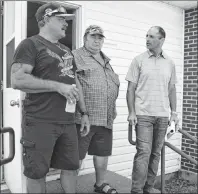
[
  {"x": 11, "y": 143},
  {"x": 14, "y": 102}
]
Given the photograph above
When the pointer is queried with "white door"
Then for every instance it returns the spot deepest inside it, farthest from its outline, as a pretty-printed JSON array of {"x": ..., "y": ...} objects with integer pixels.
[{"x": 14, "y": 32}]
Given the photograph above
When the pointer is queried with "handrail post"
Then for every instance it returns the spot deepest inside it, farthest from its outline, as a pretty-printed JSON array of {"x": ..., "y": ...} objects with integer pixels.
[{"x": 163, "y": 169}]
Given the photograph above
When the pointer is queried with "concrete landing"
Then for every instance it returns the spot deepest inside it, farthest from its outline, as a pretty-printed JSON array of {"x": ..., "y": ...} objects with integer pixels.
[{"x": 85, "y": 184}]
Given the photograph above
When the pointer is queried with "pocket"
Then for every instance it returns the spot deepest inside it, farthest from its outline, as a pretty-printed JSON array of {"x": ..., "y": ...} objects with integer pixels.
[
  {"x": 27, "y": 143},
  {"x": 28, "y": 149}
]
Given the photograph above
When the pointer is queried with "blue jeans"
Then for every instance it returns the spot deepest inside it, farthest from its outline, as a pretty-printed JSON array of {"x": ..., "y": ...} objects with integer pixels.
[{"x": 150, "y": 134}]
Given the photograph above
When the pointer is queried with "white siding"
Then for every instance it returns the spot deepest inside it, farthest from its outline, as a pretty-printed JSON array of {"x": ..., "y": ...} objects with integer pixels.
[{"x": 125, "y": 25}]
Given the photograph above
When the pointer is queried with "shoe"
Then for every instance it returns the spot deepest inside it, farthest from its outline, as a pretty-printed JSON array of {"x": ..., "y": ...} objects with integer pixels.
[{"x": 151, "y": 191}]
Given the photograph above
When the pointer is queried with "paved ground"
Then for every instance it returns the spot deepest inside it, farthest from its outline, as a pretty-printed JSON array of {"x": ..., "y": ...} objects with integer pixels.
[{"x": 86, "y": 182}]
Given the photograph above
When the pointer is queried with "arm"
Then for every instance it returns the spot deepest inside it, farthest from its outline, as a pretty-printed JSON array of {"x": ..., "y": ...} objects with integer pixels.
[
  {"x": 131, "y": 102},
  {"x": 173, "y": 103},
  {"x": 22, "y": 79},
  {"x": 81, "y": 102},
  {"x": 132, "y": 77},
  {"x": 85, "y": 125},
  {"x": 172, "y": 96}
]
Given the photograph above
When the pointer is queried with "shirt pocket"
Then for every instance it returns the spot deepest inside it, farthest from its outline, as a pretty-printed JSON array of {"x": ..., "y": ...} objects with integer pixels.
[{"x": 89, "y": 73}]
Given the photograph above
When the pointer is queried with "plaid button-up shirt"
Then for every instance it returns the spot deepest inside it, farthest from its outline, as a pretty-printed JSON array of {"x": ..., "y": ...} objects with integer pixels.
[{"x": 100, "y": 87}]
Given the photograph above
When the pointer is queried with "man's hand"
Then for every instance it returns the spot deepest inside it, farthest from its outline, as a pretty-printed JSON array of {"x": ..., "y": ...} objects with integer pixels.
[
  {"x": 174, "y": 118},
  {"x": 85, "y": 125},
  {"x": 132, "y": 119},
  {"x": 70, "y": 92}
]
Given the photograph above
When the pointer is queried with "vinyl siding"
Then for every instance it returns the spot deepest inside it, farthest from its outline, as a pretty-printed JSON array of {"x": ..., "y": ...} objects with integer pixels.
[{"x": 125, "y": 25}]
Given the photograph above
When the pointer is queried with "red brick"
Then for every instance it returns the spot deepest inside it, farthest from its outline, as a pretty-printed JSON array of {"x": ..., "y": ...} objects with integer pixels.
[
  {"x": 192, "y": 77},
  {"x": 188, "y": 73},
  {"x": 187, "y": 89},
  {"x": 190, "y": 101},
  {"x": 189, "y": 18},
  {"x": 190, "y": 118},
  {"x": 193, "y": 45},
  {"x": 186, "y": 30},
  {"x": 193, "y": 53},
  {"x": 193, "y": 22},
  {"x": 187, "y": 81},
  {"x": 188, "y": 57},
  {"x": 189, "y": 49},
  {"x": 188, "y": 42},
  {"x": 193, "y": 13},
  {"x": 189, "y": 34},
  {"x": 188, "y": 26},
  {"x": 192, "y": 69}
]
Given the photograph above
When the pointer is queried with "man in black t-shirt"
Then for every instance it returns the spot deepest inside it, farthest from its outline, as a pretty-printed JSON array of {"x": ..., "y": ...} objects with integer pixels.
[{"x": 44, "y": 69}]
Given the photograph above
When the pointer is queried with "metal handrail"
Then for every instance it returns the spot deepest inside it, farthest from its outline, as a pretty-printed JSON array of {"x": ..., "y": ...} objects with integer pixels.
[
  {"x": 130, "y": 137},
  {"x": 179, "y": 152},
  {"x": 130, "y": 134},
  {"x": 12, "y": 145}
]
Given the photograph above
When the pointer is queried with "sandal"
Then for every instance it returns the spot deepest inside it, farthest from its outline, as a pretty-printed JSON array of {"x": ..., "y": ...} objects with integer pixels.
[{"x": 102, "y": 190}]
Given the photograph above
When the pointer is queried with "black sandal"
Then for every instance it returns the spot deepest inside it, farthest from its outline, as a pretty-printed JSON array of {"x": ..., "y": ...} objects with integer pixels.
[{"x": 101, "y": 189}]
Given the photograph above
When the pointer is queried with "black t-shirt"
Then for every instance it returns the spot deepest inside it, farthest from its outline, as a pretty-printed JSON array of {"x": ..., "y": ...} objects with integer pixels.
[{"x": 46, "y": 106}]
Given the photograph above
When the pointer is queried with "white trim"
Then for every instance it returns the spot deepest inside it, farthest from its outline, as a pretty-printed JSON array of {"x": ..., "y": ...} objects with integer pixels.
[
  {"x": 9, "y": 39},
  {"x": 182, "y": 87}
]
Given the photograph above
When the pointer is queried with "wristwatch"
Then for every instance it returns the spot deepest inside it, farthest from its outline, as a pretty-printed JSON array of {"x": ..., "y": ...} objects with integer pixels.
[{"x": 84, "y": 113}]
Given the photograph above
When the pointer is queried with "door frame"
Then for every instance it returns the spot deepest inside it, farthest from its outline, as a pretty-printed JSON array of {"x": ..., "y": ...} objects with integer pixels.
[
  {"x": 1, "y": 86},
  {"x": 1, "y": 64}
]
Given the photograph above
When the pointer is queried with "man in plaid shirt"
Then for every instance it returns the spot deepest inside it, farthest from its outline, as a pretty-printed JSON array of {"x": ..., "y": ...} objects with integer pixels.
[{"x": 100, "y": 85}]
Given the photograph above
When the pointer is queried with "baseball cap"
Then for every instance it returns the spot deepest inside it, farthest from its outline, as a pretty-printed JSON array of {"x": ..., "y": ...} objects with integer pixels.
[
  {"x": 51, "y": 9},
  {"x": 94, "y": 29}
]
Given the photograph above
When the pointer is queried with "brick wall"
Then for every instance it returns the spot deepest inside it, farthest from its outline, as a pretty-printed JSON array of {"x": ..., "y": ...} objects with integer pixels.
[{"x": 190, "y": 91}]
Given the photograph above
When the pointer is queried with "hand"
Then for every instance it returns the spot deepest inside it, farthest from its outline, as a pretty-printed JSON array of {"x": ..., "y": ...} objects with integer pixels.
[
  {"x": 85, "y": 125},
  {"x": 174, "y": 118},
  {"x": 132, "y": 119},
  {"x": 70, "y": 92}
]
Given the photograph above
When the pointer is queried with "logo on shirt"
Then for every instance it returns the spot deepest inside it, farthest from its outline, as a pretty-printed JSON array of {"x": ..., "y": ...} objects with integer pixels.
[{"x": 65, "y": 63}]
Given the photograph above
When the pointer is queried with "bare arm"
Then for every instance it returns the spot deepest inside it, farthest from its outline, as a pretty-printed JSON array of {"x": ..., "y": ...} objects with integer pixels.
[
  {"x": 85, "y": 125},
  {"x": 81, "y": 102},
  {"x": 131, "y": 102},
  {"x": 173, "y": 103},
  {"x": 22, "y": 79},
  {"x": 172, "y": 97},
  {"x": 131, "y": 97}
]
